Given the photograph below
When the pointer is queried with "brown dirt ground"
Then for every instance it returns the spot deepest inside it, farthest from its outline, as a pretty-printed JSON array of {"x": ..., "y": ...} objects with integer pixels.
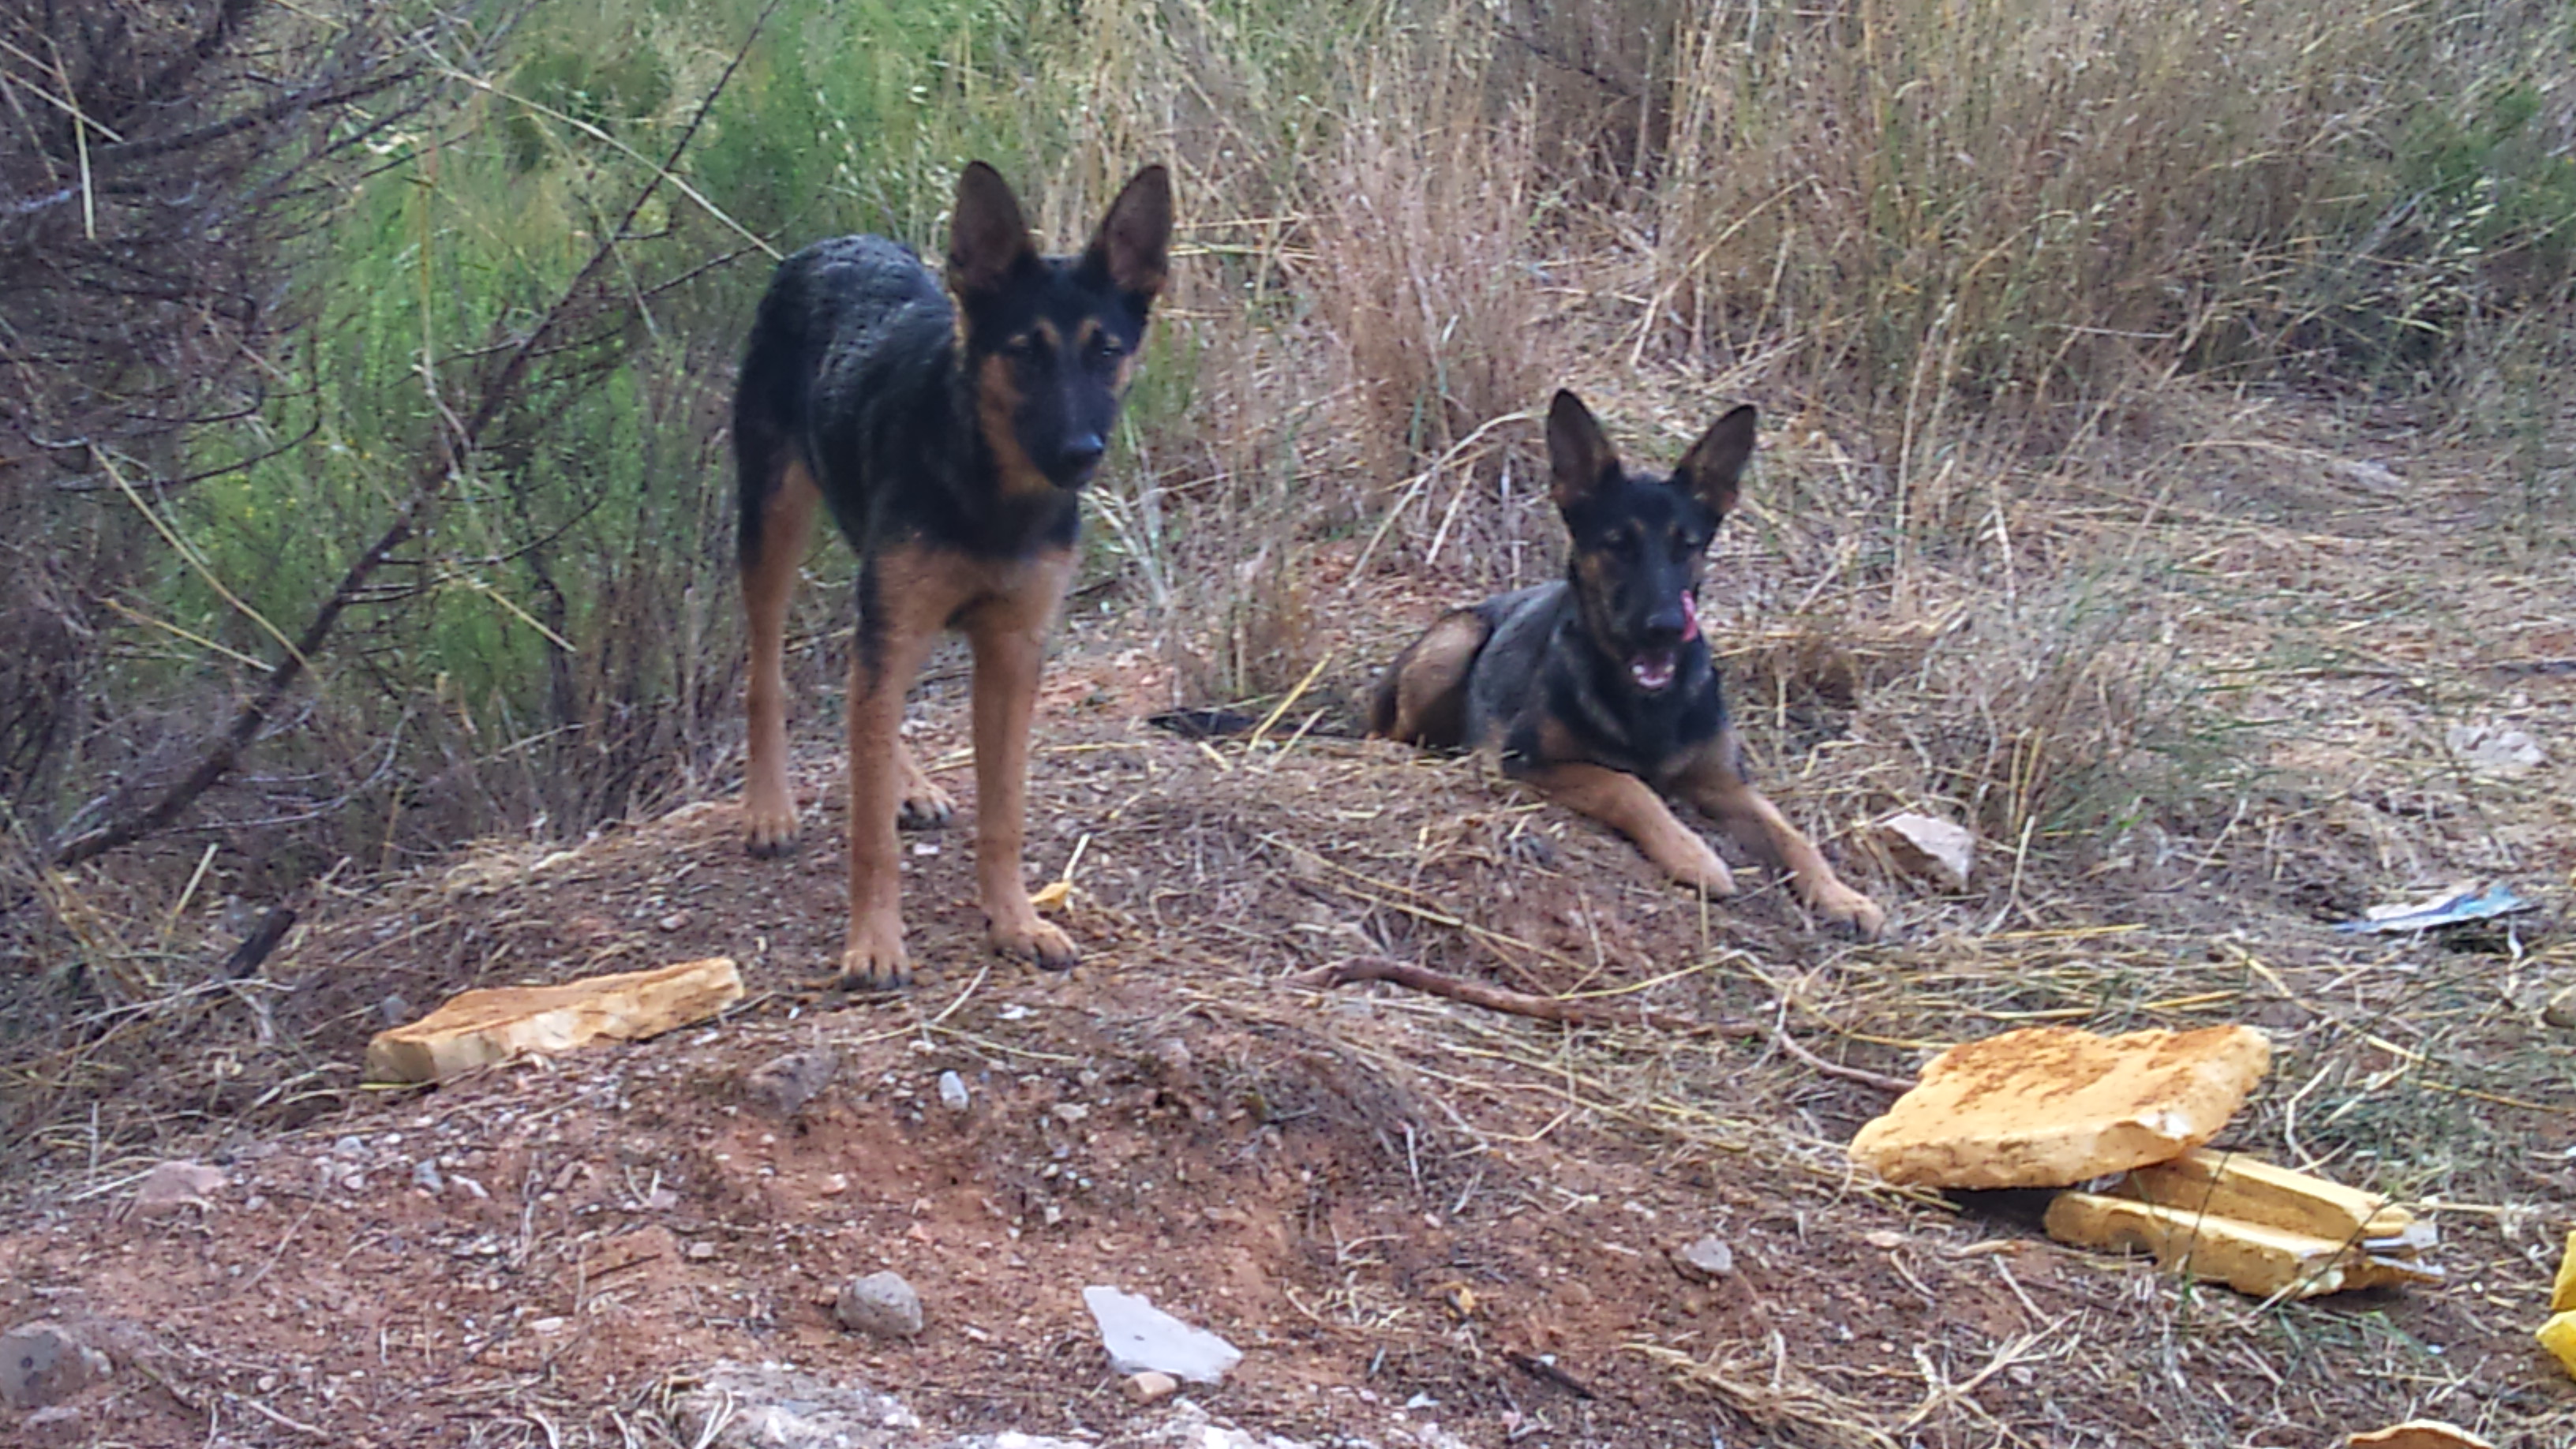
[{"x": 1319, "y": 1176}]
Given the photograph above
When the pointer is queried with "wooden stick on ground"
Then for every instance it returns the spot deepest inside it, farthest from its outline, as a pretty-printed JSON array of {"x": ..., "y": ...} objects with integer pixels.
[{"x": 1574, "y": 1012}]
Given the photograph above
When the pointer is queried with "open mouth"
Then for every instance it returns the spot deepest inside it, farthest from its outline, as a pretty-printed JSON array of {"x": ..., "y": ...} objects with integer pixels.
[{"x": 1652, "y": 669}]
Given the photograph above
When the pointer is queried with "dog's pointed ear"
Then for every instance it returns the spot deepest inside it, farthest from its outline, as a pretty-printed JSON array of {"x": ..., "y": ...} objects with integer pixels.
[
  {"x": 1580, "y": 458},
  {"x": 1132, "y": 249},
  {"x": 1715, "y": 463},
  {"x": 988, "y": 238}
]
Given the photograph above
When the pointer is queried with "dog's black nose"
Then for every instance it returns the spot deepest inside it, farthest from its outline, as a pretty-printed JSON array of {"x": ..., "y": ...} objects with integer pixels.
[
  {"x": 1666, "y": 625},
  {"x": 1082, "y": 452}
]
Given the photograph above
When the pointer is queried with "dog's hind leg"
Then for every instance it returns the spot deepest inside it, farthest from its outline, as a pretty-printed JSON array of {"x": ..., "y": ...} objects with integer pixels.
[
  {"x": 1422, "y": 699},
  {"x": 1717, "y": 787},
  {"x": 923, "y": 805},
  {"x": 1630, "y": 806},
  {"x": 1009, "y": 636},
  {"x": 777, "y": 529}
]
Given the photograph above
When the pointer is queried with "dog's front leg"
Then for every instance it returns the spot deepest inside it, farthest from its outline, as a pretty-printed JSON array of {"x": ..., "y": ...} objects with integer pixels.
[
  {"x": 1009, "y": 637},
  {"x": 890, "y": 653},
  {"x": 1630, "y": 806},
  {"x": 1718, "y": 788}
]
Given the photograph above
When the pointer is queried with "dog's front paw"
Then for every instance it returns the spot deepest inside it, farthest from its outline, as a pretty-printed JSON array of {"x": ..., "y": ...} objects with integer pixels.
[
  {"x": 1699, "y": 868},
  {"x": 768, "y": 824},
  {"x": 1842, "y": 906},
  {"x": 1032, "y": 939},
  {"x": 875, "y": 959}
]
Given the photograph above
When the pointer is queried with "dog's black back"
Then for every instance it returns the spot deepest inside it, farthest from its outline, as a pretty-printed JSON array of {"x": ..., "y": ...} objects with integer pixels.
[{"x": 967, "y": 424}]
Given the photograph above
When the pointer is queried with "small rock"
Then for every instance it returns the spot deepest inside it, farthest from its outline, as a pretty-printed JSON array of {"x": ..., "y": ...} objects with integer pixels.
[
  {"x": 1930, "y": 849},
  {"x": 424, "y": 1175},
  {"x": 1142, "y": 1338},
  {"x": 354, "y": 1184},
  {"x": 781, "y": 1086},
  {"x": 546, "y": 1325},
  {"x": 1147, "y": 1387},
  {"x": 952, "y": 1092},
  {"x": 1709, "y": 1258},
  {"x": 834, "y": 1185},
  {"x": 350, "y": 1149},
  {"x": 393, "y": 1010},
  {"x": 173, "y": 1186},
  {"x": 1071, "y": 1112},
  {"x": 880, "y": 1303},
  {"x": 44, "y": 1363},
  {"x": 701, "y": 1252},
  {"x": 2561, "y": 1010},
  {"x": 2492, "y": 751},
  {"x": 676, "y": 921}
]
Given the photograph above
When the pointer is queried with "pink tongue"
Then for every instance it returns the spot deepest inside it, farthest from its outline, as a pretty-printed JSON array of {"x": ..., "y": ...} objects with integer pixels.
[{"x": 1690, "y": 615}]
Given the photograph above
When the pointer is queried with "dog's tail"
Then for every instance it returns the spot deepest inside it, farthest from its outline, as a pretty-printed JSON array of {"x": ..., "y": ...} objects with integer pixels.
[{"x": 1219, "y": 724}]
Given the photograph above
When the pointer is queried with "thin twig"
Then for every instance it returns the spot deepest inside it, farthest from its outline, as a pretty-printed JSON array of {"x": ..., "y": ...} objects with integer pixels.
[{"x": 1573, "y": 1012}]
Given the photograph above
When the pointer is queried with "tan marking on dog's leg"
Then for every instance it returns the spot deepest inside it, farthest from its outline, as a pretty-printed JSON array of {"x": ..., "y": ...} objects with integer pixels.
[
  {"x": 768, "y": 586},
  {"x": 916, "y": 592},
  {"x": 1009, "y": 636},
  {"x": 1630, "y": 806},
  {"x": 1717, "y": 788}
]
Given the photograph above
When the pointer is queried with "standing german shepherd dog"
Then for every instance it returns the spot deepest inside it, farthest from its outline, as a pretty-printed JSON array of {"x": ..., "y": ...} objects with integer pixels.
[
  {"x": 1600, "y": 690},
  {"x": 951, "y": 434}
]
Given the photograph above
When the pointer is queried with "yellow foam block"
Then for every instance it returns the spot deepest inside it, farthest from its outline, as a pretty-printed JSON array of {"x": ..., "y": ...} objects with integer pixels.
[
  {"x": 2233, "y": 1185},
  {"x": 478, "y": 1028},
  {"x": 2053, "y": 1106},
  {"x": 2248, "y": 1257},
  {"x": 2558, "y": 1336}
]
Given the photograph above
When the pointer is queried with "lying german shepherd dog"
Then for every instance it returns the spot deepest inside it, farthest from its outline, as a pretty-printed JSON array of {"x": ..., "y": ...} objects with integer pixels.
[
  {"x": 951, "y": 432},
  {"x": 1600, "y": 690}
]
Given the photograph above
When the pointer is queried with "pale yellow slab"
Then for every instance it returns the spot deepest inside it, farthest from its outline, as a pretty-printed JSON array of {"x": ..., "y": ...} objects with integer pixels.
[
  {"x": 2247, "y": 1257},
  {"x": 2233, "y": 1185},
  {"x": 478, "y": 1028},
  {"x": 2052, "y": 1106},
  {"x": 2558, "y": 1336}
]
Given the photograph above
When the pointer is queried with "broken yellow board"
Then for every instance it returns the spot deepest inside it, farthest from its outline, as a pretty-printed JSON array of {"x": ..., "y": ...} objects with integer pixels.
[
  {"x": 478, "y": 1028},
  {"x": 2251, "y": 1258},
  {"x": 2052, "y": 1106},
  {"x": 2558, "y": 1336},
  {"x": 2233, "y": 1185}
]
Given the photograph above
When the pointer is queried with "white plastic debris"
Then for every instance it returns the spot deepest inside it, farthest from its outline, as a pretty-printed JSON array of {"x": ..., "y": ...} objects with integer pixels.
[{"x": 1144, "y": 1339}]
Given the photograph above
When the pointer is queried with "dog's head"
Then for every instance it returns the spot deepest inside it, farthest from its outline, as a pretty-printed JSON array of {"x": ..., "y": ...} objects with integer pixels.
[
  {"x": 1640, "y": 540},
  {"x": 1051, "y": 341}
]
